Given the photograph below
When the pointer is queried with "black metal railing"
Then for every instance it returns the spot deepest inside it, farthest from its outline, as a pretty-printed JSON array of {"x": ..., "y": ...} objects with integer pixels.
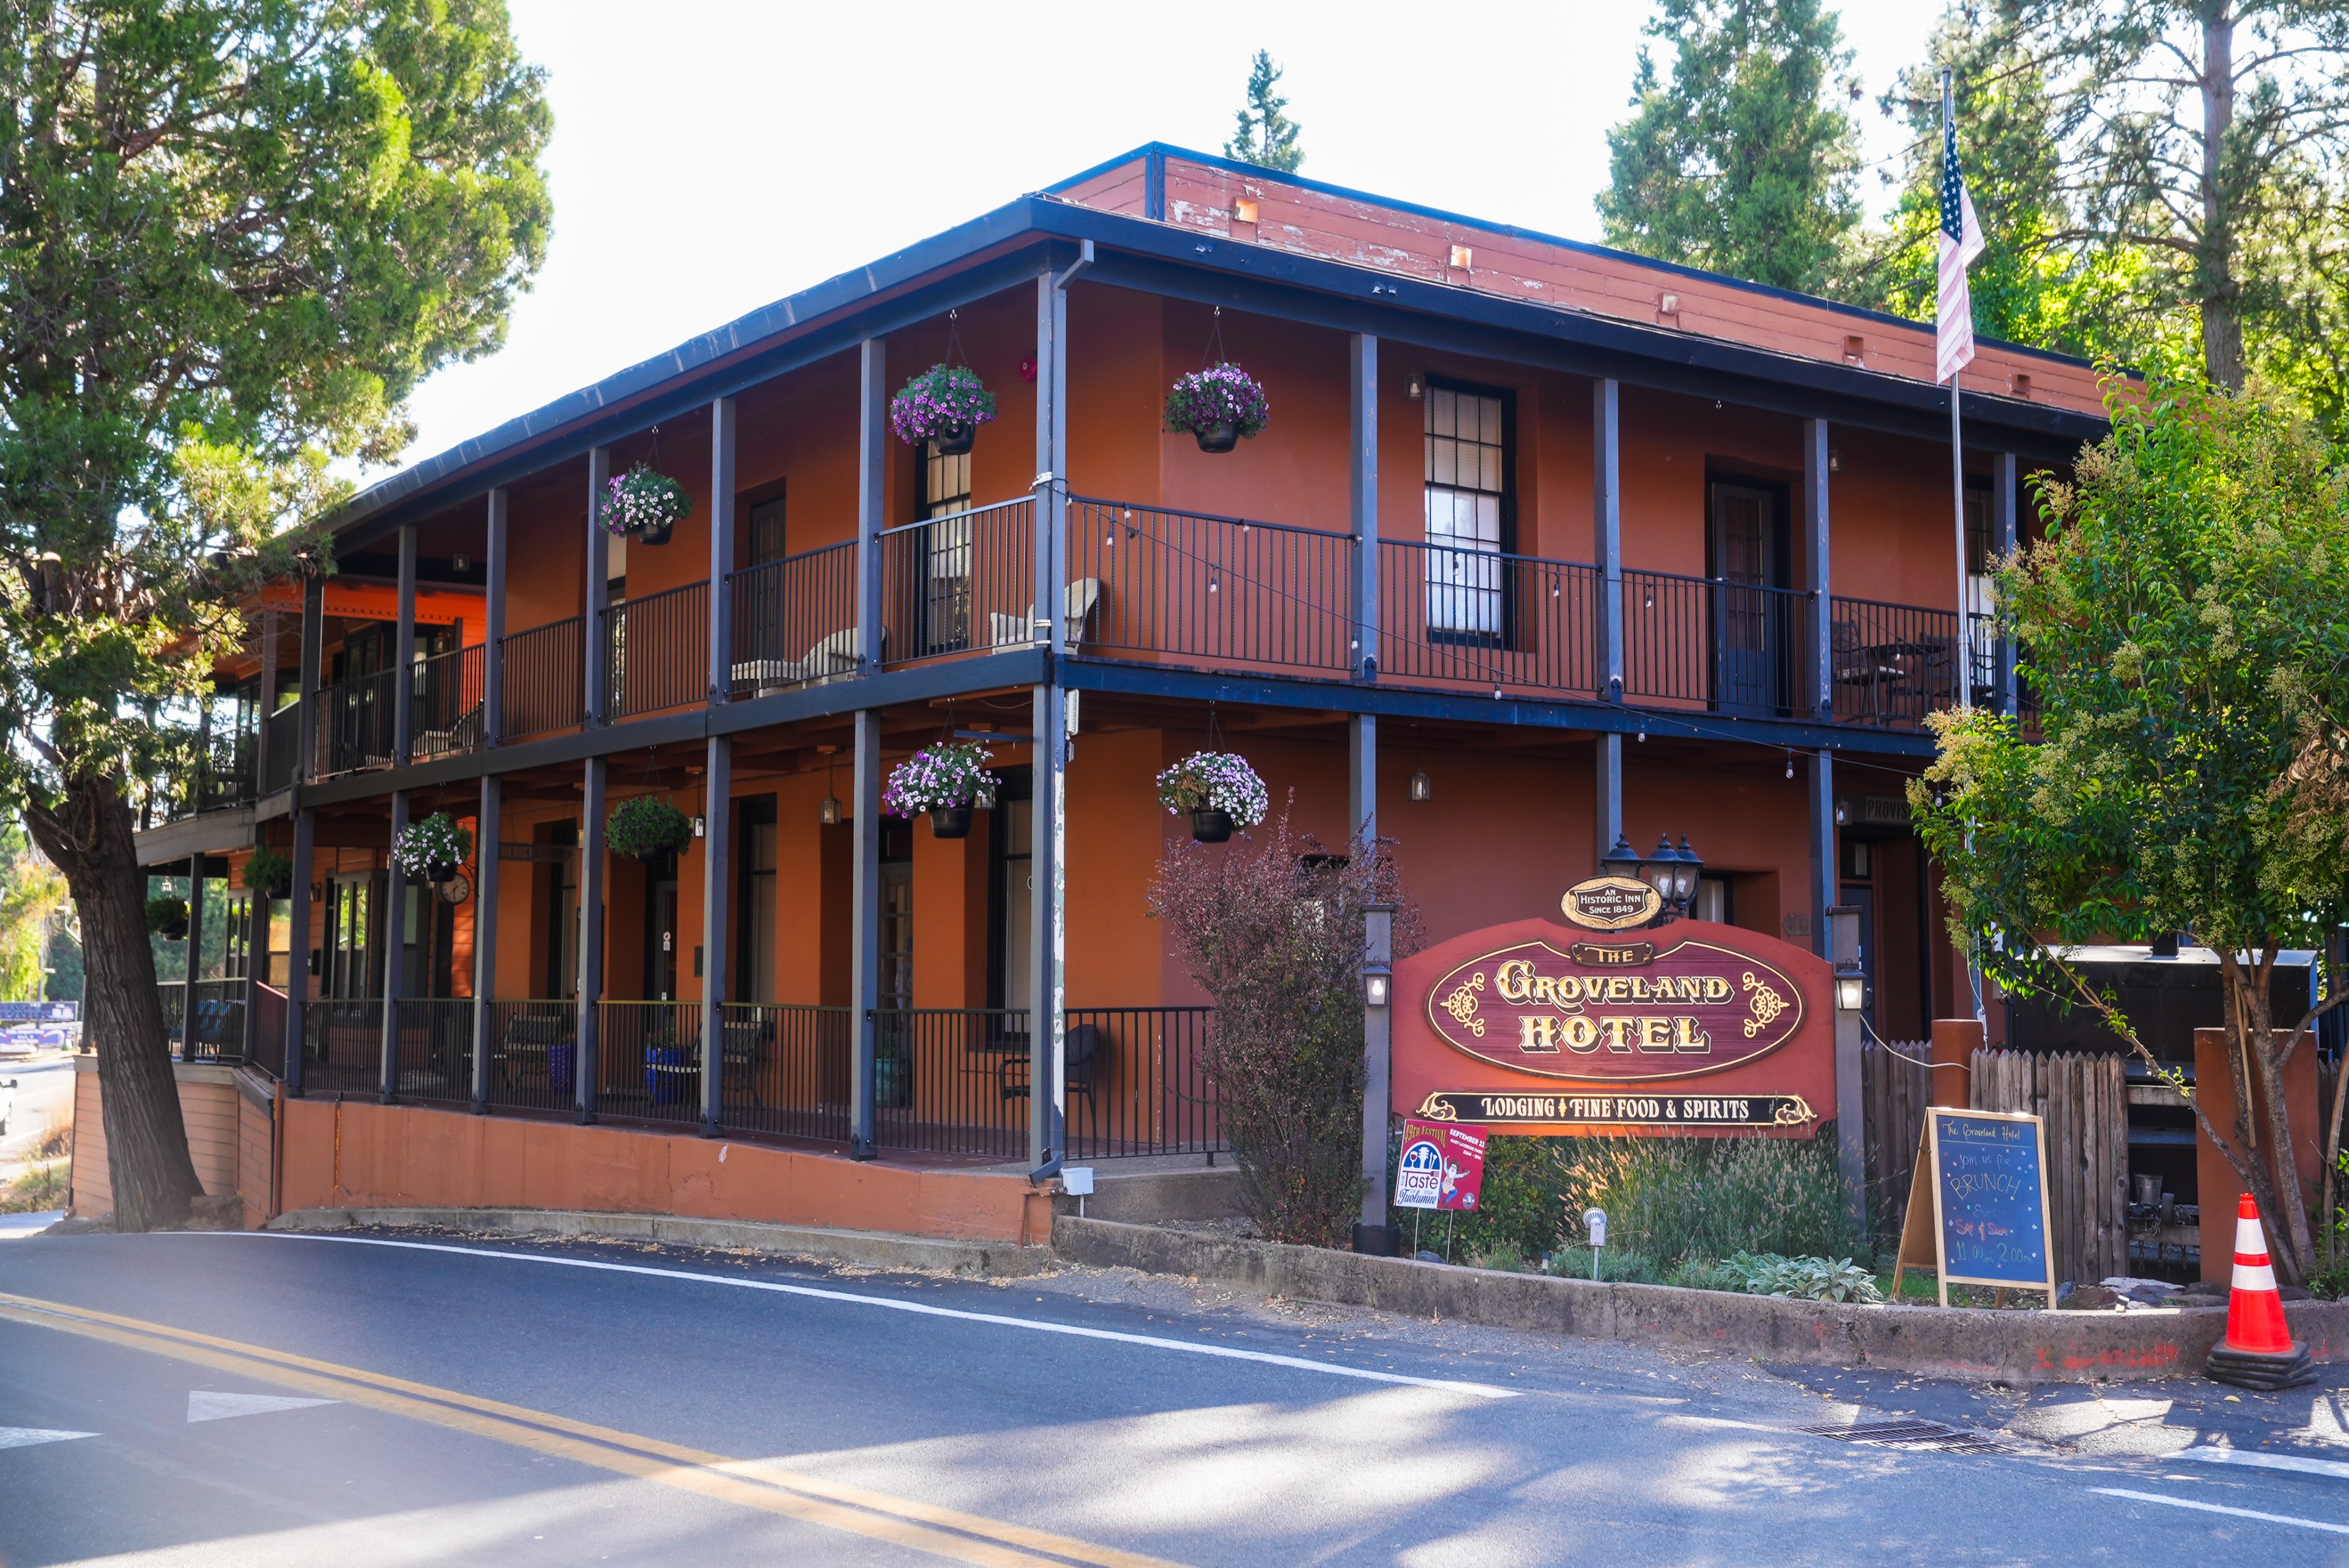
[
  {"x": 1893, "y": 664},
  {"x": 205, "y": 1021},
  {"x": 434, "y": 1048},
  {"x": 648, "y": 1060},
  {"x": 355, "y": 724},
  {"x": 342, "y": 1049},
  {"x": 794, "y": 619},
  {"x": 268, "y": 1052},
  {"x": 960, "y": 584},
  {"x": 445, "y": 717},
  {"x": 1185, "y": 585},
  {"x": 1136, "y": 1082},
  {"x": 1453, "y": 614},
  {"x": 951, "y": 1080},
  {"x": 785, "y": 1069},
  {"x": 534, "y": 1055},
  {"x": 657, "y": 651},
  {"x": 284, "y": 740},
  {"x": 1733, "y": 647},
  {"x": 543, "y": 688}
]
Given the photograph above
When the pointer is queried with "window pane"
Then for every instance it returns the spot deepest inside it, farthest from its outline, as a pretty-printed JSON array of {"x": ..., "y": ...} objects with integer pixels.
[
  {"x": 1439, "y": 412},
  {"x": 1489, "y": 468},
  {"x": 1489, "y": 412}
]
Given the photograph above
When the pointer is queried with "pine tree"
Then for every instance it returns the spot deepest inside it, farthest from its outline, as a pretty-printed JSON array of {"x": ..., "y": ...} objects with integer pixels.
[
  {"x": 1267, "y": 137},
  {"x": 1744, "y": 163}
]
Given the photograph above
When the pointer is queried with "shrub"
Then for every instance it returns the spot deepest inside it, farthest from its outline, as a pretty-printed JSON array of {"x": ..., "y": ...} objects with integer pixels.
[
  {"x": 1273, "y": 933},
  {"x": 1681, "y": 1198},
  {"x": 163, "y": 914},
  {"x": 647, "y": 825},
  {"x": 269, "y": 873},
  {"x": 940, "y": 400},
  {"x": 642, "y": 499},
  {"x": 1219, "y": 395},
  {"x": 436, "y": 840},
  {"x": 1617, "y": 1265},
  {"x": 1804, "y": 1279},
  {"x": 1706, "y": 1273},
  {"x": 1219, "y": 780},
  {"x": 952, "y": 773},
  {"x": 1518, "y": 1209}
]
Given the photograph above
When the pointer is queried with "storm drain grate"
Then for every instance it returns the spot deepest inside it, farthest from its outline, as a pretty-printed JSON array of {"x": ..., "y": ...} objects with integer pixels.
[{"x": 1927, "y": 1435}]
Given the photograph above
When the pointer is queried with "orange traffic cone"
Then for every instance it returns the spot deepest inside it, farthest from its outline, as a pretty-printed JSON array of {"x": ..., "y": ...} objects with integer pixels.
[{"x": 2258, "y": 1351}]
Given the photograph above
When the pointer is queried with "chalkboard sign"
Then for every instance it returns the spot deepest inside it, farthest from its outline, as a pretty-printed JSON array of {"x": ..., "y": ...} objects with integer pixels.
[{"x": 1990, "y": 1200}]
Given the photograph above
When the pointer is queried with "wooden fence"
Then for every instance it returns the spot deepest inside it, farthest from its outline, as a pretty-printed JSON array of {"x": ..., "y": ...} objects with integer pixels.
[
  {"x": 2083, "y": 1107},
  {"x": 1896, "y": 1083}
]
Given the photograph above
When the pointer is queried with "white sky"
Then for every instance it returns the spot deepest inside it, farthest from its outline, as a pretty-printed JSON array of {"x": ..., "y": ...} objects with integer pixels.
[{"x": 711, "y": 156}]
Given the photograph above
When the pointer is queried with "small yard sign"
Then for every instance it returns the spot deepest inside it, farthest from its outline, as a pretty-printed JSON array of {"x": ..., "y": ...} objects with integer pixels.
[
  {"x": 1443, "y": 1167},
  {"x": 1989, "y": 1179}
]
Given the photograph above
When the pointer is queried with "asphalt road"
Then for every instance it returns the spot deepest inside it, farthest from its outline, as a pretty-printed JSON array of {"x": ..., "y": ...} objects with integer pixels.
[
  {"x": 45, "y": 1084},
  {"x": 278, "y": 1399}
]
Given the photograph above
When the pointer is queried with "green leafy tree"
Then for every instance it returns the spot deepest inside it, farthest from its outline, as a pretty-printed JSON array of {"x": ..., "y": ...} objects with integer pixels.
[
  {"x": 1745, "y": 162},
  {"x": 33, "y": 898},
  {"x": 1267, "y": 137},
  {"x": 2187, "y": 625},
  {"x": 234, "y": 234}
]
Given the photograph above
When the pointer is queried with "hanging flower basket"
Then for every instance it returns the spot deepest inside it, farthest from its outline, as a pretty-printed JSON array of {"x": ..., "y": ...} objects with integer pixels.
[
  {"x": 1219, "y": 791},
  {"x": 647, "y": 827},
  {"x": 944, "y": 404},
  {"x": 269, "y": 873},
  {"x": 946, "y": 780},
  {"x": 1219, "y": 405},
  {"x": 168, "y": 918},
  {"x": 645, "y": 503},
  {"x": 433, "y": 849}
]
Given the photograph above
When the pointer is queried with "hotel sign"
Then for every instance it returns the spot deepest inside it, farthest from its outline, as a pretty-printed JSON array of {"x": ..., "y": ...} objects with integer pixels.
[
  {"x": 1695, "y": 1027},
  {"x": 1615, "y": 1011},
  {"x": 1611, "y": 903}
]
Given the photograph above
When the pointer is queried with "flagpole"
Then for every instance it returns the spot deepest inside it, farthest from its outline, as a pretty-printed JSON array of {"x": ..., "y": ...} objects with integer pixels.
[
  {"x": 1965, "y": 624},
  {"x": 1958, "y": 476}
]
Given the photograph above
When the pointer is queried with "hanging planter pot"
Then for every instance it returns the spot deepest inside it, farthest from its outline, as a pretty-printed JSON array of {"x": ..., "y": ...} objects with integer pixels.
[
  {"x": 645, "y": 505},
  {"x": 1219, "y": 405},
  {"x": 434, "y": 848},
  {"x": 944, "y": 404},
  {"x": 1211, "y": 824},
  {"x": 953, "y": 443},
  {"x": 269, "y": 873},
  {"x": 647, "y": 827},
  {"x": 168, "y": 918},
  {"x": 946, "y": 781},
  {"x": 1219, "y": 791}
]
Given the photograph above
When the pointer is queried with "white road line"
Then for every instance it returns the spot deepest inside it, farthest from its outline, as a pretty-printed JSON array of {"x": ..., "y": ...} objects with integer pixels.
[
  {"x": 31, "y": 1437},
  {"x": 2333, "y": 1468},
  {"x": 1229, "y": 1353},
  {"x": 2218, "y": 1508}
]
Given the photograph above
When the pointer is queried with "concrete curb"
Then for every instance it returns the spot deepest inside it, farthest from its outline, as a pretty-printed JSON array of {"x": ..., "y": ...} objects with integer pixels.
[
  {"x": 2036, "y": 1346},
  {"x": 864, "y": 1248}
]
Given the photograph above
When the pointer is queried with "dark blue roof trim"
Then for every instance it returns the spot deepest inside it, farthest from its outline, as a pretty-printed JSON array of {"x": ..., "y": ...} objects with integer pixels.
[{"x": 1677, "y": 269}]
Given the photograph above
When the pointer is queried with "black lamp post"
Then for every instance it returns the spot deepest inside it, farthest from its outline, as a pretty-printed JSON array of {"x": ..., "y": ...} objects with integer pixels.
[
  {"x": 1623, "y": 860},
  {"x": 1673, "y": 874}
]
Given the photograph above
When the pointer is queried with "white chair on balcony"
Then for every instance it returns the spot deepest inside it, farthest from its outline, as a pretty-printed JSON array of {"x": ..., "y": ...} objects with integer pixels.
[
  {"x": 1016, "y": 631},
  {"x": 831, "y": 656}
]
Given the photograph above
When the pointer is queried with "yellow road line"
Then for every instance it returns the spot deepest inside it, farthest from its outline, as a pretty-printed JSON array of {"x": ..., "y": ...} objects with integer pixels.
[{"x": 754, "y": 1483}]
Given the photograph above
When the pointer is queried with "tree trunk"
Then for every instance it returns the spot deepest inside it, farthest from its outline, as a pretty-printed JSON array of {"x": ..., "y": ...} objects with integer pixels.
[
  {"x": 2218, "y": 294},
  {"x": 86, "y": 834},
  {"x": 2250, "y": 1038}
]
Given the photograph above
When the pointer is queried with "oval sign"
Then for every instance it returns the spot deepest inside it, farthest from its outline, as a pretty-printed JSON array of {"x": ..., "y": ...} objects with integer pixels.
[
  {"x": 1611, "y": 903},
  {"x": 1615, "y": 1010}
]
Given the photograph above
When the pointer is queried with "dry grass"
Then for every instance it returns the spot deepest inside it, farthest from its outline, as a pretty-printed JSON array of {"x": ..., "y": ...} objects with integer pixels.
[
  {"x": 39, "y": 1188},
  {"x": 57, "y": 1138}
]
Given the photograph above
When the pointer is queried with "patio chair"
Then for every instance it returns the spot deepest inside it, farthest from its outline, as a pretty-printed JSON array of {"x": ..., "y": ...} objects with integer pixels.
[
  {"x": 1011, "y": 631},
  {"x": 741, "y": 1052},
  {"x": 529, "y": 1043},
  {"x": 831, "y": 656},
  {"x": 1081, "y": 1051}
]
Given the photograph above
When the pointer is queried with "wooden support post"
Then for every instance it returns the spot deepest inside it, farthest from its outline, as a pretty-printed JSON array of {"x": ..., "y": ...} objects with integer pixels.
[
  {"x": 494, "y": 624},
  {"x": 1362, "y": 484},
  {"x": 591, "y": 936},
  {"x": 722, "y": 549},
  {"x": 864, "y": 917},
  {"x": 1606, "y": 531},
  {"x": 1820, "y": 655},
  {"x": 596, "y": 662},
  {"x": 716, "y": 937},
  {"x": 486, "y": 830},
  {"x": 403, "y": 654},
  {"x": 393, "y": 925},
  {"x": 298, "y": 956}
]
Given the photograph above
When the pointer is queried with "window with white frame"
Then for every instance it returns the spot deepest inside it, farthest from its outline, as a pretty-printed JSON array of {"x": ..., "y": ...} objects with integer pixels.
[{"x": 1467, "y": 490}]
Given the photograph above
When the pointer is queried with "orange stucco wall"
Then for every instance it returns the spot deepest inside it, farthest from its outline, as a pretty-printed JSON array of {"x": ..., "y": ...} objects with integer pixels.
[{"x": 352, "y": 1154}]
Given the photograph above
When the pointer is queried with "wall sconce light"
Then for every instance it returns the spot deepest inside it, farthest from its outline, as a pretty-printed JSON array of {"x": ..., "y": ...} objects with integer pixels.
[
  {"x": 701, "y": 827},
  {"x": 460, "y": 562},
  {"x": 828, "y": 813},
  {"x": 1415, "y": 385},
  {"x": 1375, "y": 987},
  {"x": 1834, "y": 459},
  {"x": 1420, "y": 787},
  {"x": 1851, "y": 993}
]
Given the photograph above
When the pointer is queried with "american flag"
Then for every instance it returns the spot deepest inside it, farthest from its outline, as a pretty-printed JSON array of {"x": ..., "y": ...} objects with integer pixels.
[{"x": 1961, "y": 242}]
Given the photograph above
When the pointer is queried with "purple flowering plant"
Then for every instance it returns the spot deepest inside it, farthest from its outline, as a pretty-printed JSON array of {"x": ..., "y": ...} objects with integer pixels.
[
  {"x": 951, "y": 773},
  {"x": 1219, "y": 395},
  {"x": 943, "y": 398},
  {"x": 642, "y": 499},
  {"x": 1215, "y": 781}
]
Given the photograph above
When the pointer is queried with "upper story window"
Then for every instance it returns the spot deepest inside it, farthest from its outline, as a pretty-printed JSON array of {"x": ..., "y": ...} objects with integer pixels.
[
  {"x": 1469, "y": 463},
  {"x": 946, "y": 602},
  {"x": 946, "y": 482}
]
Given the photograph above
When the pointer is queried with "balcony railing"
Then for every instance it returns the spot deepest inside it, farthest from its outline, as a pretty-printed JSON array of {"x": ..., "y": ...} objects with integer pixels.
[
  {"x": 786, "y": 1070},
  {"x": 284, "y": 739},
  {"x": 1446, "y": 614},
  {"x": 1210, "y": 590},
  {"x": 794, "y": 620},
  {"x": 658, "y": 652},
  {"x": 355, "y": 724},
  {"x": 544, "y": 686},
  {"x": 960, "y": 584},
  {"x": 343, "y": 1045},
  {"x": 446, "y": 715},
  {"x": 435, "y": 1050}
]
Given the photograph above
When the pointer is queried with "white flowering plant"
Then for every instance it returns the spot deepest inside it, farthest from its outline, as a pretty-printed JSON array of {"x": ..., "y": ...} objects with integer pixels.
[
  {"x": 1219, "y": 395},
  {"x": 1215, "y": 782},
  {"x": 434, "y": 840},
  {"x": 643, "y": 500},
  {"x": 938, "y": 402},
  {"x": 952, "y": 773}
]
